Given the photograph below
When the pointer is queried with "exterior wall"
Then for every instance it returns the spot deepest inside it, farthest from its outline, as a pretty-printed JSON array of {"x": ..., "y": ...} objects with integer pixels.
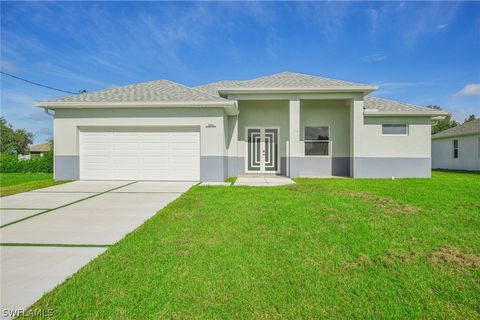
[
  {"x": 358, "y": 147},
  {"x": 210, "y": 120},
  {"x": 336, "y": 115},
  {"x": 384, "y": 156},
  {"x": 261, "y": 113},
  {"x": 468, "y": 153}
]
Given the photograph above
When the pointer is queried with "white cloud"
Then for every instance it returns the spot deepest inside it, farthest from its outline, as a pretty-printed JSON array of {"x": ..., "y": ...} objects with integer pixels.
[
  {"x": 374, "y": 57},
  {"x": 472, "y": 89},
  {"x": 412, "y": 22},
  {"x": 8, "y": 66},
  {"x": 44, "y": 131},
  {"x": 39, "y": 116}
]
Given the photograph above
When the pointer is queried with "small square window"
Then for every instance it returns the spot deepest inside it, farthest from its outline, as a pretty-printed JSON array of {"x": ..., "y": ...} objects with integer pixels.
[{"x": 399, "y": 129}]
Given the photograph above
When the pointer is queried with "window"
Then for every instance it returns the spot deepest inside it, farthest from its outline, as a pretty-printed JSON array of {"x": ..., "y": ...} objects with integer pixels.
[
  {"x": 317, "y": 141},
  {"x": 397, "y": 129},
  {"x": 455, "y": 149}
]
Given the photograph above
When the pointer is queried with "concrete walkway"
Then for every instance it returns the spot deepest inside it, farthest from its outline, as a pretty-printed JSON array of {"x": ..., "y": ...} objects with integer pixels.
[
  {"x": 48, "y": 234},
  {"x": 263, "y": 181}
]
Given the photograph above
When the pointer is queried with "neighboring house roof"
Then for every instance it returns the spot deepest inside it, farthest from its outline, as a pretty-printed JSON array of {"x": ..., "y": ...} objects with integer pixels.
[
  {"x": 380, "y": 106},
  {"x": 153, "y": 91},
  {"x": 42, "y": 147},
  {"x": 468, "y": 128},
  {"x": 290, "y": 81}
]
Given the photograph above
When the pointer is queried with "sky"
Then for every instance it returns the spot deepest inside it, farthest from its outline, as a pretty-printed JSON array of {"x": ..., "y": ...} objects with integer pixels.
[{"x": 417, "y": 52}]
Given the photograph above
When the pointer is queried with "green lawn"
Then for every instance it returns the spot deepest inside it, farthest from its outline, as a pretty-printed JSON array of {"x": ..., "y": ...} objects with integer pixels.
[
  {"x": 336, "y": 248},
  {"x": 11, "y": 183}
]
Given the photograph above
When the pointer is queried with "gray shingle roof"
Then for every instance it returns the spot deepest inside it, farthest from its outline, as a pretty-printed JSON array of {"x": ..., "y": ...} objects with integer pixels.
[
  {"x": 470, "y": 127},
  {"x": 289, "y": 80},
  {"x": 42, "y": 147},
  {"x": 153, "y": 91},
  {"x": 381, "y": 104}
]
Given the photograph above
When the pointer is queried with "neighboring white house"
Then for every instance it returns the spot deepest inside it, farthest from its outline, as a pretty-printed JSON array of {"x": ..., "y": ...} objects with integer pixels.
[
  {"x": 457, "y": 148},
  {"x": 288, "y": 123}
]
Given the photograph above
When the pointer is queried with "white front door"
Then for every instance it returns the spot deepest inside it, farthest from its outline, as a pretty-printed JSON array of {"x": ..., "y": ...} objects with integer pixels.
[
  {"x": 142, "y": 153},
  {"x": 262, "y": 150}
]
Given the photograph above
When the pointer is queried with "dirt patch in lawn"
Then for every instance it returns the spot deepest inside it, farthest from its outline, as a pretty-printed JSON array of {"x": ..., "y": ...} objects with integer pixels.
[
  {"x": 393, "y": 258},
  {"x": 445, "y": 255},
  {"x": 384, "y": 204},
  {"x": 452, "y": 255},
  {"x": 363, "y": 261}
]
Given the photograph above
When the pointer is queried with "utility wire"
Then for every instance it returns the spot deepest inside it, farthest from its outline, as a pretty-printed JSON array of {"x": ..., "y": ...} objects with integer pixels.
[{"x": 39, "y": 84}]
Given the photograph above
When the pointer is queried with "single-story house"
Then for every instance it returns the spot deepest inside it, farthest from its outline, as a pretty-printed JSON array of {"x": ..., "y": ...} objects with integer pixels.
[
  {"x": 36, "y": 150},
  {"x": 457, "y": 148},
  {"x": 288, "y": 124}
]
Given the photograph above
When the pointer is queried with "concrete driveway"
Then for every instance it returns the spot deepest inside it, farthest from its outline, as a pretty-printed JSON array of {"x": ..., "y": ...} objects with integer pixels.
[{"x": 49, "y": 234}]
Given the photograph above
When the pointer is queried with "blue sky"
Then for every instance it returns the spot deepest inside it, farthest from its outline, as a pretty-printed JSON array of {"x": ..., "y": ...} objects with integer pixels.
[{"x": 417, "y": 52}]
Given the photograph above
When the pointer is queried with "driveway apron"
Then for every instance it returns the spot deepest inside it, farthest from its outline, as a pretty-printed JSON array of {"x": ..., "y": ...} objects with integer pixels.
[{"x": 48, "y": 234}]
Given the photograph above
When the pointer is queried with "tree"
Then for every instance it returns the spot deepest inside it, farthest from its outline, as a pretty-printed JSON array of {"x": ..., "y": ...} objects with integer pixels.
[
  {"x": 444, "y": 124},
  {"x": 14, "y": 141},
  {"x": 470, "y": 118}
]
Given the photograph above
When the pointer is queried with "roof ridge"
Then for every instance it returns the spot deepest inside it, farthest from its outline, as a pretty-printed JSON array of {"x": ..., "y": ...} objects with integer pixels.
[
  {"x": 308, "y": 75},
  {"x": 197, "y": 90}
]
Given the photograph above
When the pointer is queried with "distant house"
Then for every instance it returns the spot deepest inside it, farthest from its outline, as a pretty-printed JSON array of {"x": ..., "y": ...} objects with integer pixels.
[
  {"x": 36, "y": 150},
  {"x": 457, "y": 148}
]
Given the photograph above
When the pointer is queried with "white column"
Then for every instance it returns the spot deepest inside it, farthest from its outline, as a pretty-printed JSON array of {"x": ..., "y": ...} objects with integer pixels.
[
  {"x": 294, "y": 138},
  {"x": 233, "y": 152},
  {"x": 356, "y": 125}
]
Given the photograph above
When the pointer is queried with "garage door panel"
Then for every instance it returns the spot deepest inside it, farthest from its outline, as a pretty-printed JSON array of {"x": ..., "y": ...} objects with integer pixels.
[{"x": 140, "y": 153}]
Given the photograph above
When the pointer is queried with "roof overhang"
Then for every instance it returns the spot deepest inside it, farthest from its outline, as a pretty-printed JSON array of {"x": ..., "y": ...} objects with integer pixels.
[
  {"x": 455, "y": 135},
  {"x": 233, "y": 90},
  {"x": 230, "y": 107},
  {"x": 377, "y": 113}
]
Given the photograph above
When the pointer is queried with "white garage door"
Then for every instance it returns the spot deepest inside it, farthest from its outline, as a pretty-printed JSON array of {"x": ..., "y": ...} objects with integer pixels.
[{"x": 140, "y": 153}]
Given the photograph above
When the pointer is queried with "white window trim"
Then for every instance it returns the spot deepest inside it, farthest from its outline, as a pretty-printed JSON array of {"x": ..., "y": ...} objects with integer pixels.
[
  {"x": 396, "y": 134},
  {"x": 330, "y": 142}
]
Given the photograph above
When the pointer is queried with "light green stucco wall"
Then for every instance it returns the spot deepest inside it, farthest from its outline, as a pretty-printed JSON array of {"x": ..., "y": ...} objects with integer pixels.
[
  {"x": 332, "y": 113},
  {"x": 263, "y": 114}
]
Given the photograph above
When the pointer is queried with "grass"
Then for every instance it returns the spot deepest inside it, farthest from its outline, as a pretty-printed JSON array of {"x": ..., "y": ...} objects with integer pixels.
[
  {"x": 333, "y": 248},
  {"x": 12, "y": 183},
  {"x": 231, "y": 180}
]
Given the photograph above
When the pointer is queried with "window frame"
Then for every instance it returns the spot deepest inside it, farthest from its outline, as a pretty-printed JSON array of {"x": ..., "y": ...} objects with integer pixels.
[
  {"x": 455, "y": 149},
  {"x": 407, "y": 126},
  {"x": 329, "y": 142}
]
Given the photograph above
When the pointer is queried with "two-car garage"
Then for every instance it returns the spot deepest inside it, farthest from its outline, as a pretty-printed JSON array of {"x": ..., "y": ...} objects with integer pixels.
[{"x": 139, "y": 153}]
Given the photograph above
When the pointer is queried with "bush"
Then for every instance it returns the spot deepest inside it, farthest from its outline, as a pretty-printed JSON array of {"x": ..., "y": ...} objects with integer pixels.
[{"x": 10, "y": 163}]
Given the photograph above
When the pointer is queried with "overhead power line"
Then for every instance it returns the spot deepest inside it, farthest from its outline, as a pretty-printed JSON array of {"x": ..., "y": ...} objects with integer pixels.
[{"x": 41, "y": 85}]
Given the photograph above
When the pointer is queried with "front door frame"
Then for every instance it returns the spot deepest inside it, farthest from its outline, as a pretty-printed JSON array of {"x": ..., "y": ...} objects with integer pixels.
[{"x": 262, "y": 146}]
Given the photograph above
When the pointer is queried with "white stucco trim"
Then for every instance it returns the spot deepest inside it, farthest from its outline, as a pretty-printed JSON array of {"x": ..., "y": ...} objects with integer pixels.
[
  {"x": 297, "y": 96},
  {"x": 364, "y": 89},
  {"x": 230, "y": 107},
  {"x": 376, "y": 113}
]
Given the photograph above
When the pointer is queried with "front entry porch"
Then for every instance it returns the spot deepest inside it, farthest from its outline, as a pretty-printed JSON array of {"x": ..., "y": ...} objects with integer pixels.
[{"x": 263, "y": 181}]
